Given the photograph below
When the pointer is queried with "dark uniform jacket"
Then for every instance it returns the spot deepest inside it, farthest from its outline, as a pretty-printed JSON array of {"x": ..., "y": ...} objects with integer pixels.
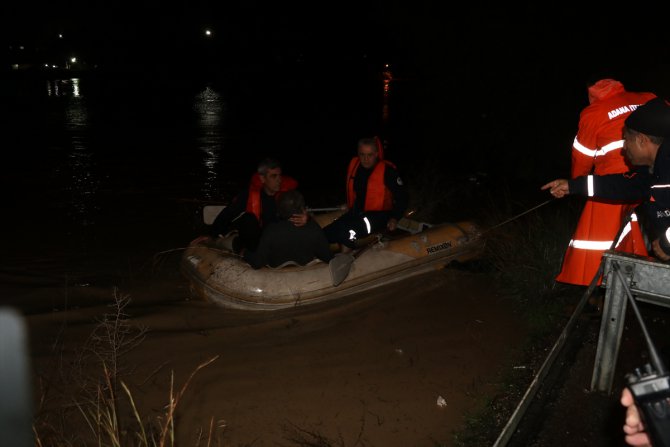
[{"x": 282, "y": 242}]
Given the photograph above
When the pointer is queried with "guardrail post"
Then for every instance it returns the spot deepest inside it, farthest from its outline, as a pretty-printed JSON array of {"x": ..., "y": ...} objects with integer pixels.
[
  {"x": 648, "y": 281},
  {"x": 611, "y": 328}
]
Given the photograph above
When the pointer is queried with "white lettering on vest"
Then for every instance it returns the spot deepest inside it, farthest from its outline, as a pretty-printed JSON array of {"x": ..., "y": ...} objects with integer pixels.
[
  {"x": 618, "y": 111},
  {"x": 621, "y": 110}
]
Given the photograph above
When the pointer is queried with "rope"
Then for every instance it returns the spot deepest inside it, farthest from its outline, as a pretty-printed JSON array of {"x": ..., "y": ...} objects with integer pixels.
[{"x": 517, "y": 216}]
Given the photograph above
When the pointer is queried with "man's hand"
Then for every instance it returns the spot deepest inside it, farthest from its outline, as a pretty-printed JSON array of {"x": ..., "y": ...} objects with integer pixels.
[
  {"x": 392, "y": 224},
  {"x": 658, "y": 251},
  {"x": 633, "y": 427},
  {"x": 558, "y": 188},
  {"x": 298, "y": 219}
]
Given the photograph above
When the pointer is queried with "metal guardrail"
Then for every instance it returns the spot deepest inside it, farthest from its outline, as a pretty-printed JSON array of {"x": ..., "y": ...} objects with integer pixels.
[
  {"x": 649, "y": 281},
  {"x": 510, "y": 427}
]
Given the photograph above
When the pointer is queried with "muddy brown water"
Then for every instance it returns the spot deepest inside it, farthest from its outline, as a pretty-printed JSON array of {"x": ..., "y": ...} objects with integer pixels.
[{"x": 365, "y": 370}]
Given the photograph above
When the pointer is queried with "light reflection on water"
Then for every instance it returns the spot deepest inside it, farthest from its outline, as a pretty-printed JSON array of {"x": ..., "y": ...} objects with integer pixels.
[
  {"x": 112, "y": 147},
  {"x": 63, "y": 87},
  {"x": 209, "y": 109},
  {"x": 81, "y": 181},
  {"x": 385, "y": 105},
  {"x": 84, "y": 183}
]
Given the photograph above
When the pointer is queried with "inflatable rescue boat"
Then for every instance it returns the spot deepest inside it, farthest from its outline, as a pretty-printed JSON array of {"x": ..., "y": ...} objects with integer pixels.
[{"x": 223, "y": 278}]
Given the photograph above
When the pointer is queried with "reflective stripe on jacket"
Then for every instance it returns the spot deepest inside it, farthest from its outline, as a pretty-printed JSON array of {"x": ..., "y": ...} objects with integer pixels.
[
  {"x": 584, "y": 253},
  {"x": 597, "y": 146}
]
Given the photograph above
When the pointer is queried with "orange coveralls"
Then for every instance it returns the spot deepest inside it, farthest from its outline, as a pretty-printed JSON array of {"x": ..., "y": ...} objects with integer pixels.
[{"x": 597, "y": 149}]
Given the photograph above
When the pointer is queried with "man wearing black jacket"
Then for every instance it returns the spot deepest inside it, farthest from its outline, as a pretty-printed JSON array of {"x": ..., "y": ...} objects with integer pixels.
[
  {"x": 254, "y": 208},
  {"x": 283, "y": 242}
]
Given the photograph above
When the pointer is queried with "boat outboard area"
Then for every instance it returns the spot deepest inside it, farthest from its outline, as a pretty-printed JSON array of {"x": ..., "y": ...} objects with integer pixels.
[{"x": 220, "y": 276}]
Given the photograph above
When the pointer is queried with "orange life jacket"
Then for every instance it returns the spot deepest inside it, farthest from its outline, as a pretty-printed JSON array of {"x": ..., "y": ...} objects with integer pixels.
[
  {"x": 597, "y": 150},
  {"x": 377, "y": 196},
  {"x": 256, "y": 185}
]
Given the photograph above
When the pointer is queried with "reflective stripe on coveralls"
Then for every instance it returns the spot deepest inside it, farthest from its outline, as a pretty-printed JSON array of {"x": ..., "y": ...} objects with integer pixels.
[
  {"x": 614, "y": 145},
  {"x": 603, "y": 245},
  {"x": 597, "y": 150}
]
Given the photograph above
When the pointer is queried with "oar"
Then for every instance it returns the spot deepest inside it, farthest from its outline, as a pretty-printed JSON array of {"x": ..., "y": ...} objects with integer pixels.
[
  {"x": 209, "y": 212},
  {"x": 325, "y": 210},
  {"x": 340, "y": 265}
]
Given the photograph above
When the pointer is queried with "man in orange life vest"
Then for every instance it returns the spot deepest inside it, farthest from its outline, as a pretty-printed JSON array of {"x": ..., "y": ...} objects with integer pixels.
[
  {"x": 597, "y": 150},
  {"x": 376, "y": 196},
  {"x": 253, "y": 209}
]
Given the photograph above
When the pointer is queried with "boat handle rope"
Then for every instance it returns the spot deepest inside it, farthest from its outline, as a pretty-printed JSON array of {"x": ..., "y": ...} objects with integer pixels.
[{"x": 517, "y": 216}]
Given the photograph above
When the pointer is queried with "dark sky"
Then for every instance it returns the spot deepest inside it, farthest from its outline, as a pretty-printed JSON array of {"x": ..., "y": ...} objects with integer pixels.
[
  {"x": 496, "y": 61},
  {"x": 428, "y": 36}
]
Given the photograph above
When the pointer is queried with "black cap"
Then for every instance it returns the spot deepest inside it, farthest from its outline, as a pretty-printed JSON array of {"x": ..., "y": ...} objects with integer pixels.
[{"x": 651, "y": 118}]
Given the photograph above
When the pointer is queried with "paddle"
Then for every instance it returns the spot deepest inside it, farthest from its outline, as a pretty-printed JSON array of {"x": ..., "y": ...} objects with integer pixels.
[
  {"x": 209, "y": 212},
  {"x": 340, "y": 265}
]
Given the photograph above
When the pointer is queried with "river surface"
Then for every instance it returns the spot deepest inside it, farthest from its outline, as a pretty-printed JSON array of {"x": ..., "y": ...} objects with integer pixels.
[
  {"x": 104, "y": 179},
  {"x": 122, "y": 164}
]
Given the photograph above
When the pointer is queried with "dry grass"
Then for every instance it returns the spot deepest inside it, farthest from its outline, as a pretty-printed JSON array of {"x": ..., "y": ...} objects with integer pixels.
[
  {"x": 102, "y": 401},
  {"x": 102, "y": 419}
]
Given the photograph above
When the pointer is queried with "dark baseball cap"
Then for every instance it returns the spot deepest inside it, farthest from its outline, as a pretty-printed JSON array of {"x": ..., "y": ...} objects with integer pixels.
[{"x": 651, "y": 118}]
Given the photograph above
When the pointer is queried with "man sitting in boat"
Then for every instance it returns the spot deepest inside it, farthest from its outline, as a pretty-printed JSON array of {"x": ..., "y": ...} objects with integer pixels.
[
  {"x": 283, "y": 242},
  {"x": 376, "y": 197},
  {"x": 255, "y": 208}
]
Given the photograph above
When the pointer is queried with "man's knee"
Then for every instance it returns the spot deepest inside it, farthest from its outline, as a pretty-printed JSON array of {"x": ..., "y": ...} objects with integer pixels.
[{"x": 346, "y": 231}]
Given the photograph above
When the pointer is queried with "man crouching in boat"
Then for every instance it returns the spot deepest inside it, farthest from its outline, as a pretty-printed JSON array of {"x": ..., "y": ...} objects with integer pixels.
[
  {"x": 376, "y": 197},
  {"x": 255, "y": 208},
  {"x": 283, "y": 242}
]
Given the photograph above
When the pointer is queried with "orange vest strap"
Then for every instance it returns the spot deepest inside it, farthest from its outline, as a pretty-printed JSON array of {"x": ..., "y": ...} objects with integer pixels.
[
  {"x": 255, "y": 185},
  {"x": 377, "y": 196}
]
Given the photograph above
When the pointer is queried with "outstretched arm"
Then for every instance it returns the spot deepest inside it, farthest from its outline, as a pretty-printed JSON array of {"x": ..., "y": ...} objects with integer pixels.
[{"x": 557, "y": 188}]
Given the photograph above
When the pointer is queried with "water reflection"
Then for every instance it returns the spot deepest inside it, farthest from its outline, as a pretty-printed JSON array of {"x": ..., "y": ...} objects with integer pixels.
[
  {"x": 209, "y": 108},
  {"x": 63, "y": 87},
  {"x": 385, "y": 106},
  {"x": 387, "y": 77},
  {"x": 82, "y": 182}
]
